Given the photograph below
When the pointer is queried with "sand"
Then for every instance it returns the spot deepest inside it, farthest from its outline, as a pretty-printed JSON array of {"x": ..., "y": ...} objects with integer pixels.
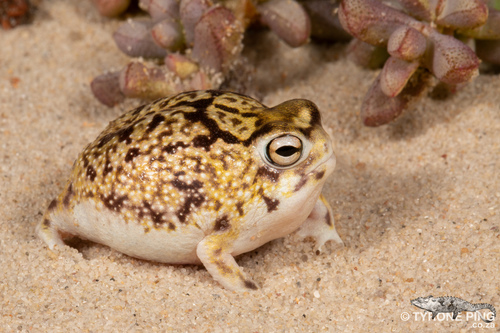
[{"x": 416, "y": 202}]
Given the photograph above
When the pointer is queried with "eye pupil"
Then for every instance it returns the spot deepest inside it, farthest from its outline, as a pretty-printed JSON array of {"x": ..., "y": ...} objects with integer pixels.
[
  {"x": 284, "y": 150},
  {"x": 287, "y": 151}
]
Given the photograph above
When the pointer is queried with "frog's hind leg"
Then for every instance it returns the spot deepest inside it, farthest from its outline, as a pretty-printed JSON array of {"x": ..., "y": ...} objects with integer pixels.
[
  {"x": 214, "y": 252},
  {"x": 47, "y": 230},
  {"x": 320, "y": 225}
]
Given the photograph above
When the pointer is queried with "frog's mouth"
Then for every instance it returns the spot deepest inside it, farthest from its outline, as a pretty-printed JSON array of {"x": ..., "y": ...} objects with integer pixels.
[
  {"x": 319, "y": 174},
  {"x": 326, "y": 166}
]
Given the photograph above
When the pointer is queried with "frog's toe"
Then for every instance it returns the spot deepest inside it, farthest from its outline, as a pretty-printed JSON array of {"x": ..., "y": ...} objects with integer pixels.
[
  {"x": 222, "y": 265},
  {"x": 49, "y": 233},
  {"x": 320, "y": 225}
]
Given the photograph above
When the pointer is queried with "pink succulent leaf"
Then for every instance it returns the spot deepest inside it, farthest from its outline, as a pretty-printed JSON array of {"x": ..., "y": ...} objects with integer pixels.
[
  {"x": 451, "y": 61},
  {"x": 379, "y": 109},
  {"x": 217, "y": 39},
  {"x": 367, "y": 55},
  {"x": 106, "y": 88},
  {"x": 110, "y": 8},
  {"x": 372, "y": 21},
  {"x": 180, "y": 65},
  {"x": 160, "y": 9},
  {"x": 488, "y": 50},
  {"x": 490, "y": 30},
  {"x": 419, "y": 9},
  {"x": 200, "y": 81},
  {"x": 190, "y": 13},
  {"x": 324, "y": 24},
  {"x": 134, "y": 39},
  {"x": 395, "y": 75},
  {"x": 287, "y": 19},
  {"x": 140, "y": 81},
  {"x": 457, "y": 14},
  {"x": 407, "y": 43},
  {"x": 144, "y": 4},
  {"x": 168, "y": 34}
]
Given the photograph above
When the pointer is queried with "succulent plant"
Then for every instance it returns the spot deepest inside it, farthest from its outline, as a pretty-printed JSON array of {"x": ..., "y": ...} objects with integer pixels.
[
  {"x": 418, "y": 37},
  {"x": 197, "y": 43}
]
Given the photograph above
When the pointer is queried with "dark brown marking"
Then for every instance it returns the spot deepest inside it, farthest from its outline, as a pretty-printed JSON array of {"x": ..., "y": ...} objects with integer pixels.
[
  {"x": 46, "y": 223},
  {"x": 124, "y": 134},
  {"x": 306, "y": 131},
  {"x": 250, "y": 285},
  {"x": 223, "y": 267},
  {"x": 328, "y": 219},
  {"x": 155, "y": 122},
  {"x": 147, "y": 210},
  {"x": 68, "y": 195},
  {"x": 107, "y": 167},
  {"x": 171, "y": 148},
  {"x": 137, "y": 110},
  {"x": 171, "y": 226},
  {"x": 227, "y": 108},
  {"x": 222, "y": 224},
  {"x": 113, "y": 202},
  {"x": 91, "y": 173},
  {"x": 235, "y": 121},
  {"x": 203, "y": 141},
  {"x": 162, "y": 104},
  {"x": 197, "y": 166},
  {"x": 301, "y": 183},
  {"x": 314, "y": 112},
  {"x": 269, "y": 173},
  {"x": 218, "y": 205},
  {"x": 183, "y": 186},
  {"x": 85, "y": 161},
  {"x": 200, "y": 104},
  {"x": 272, "y": 204},
  {"x": 231, "y": 99},
  {"x": 192, "y": 199},
  {"x": 320, "y": 175},
  {"x": 163, "y": 134},
  {"x": 239, "y": 207},
  {"x": 104, "y": 140},
  {"x": 52, "y": 205},
  {"x": 131, "y": 154},
  {"x": 200, "y": 115},
  {"x": 221, "y": 115},
  {"x": 250, "y": 115},
  {"x": 262, "y": 130}
]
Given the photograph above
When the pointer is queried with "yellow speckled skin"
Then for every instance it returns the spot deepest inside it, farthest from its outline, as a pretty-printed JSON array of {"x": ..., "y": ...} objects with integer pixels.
[{"x": 188, "y": 179}]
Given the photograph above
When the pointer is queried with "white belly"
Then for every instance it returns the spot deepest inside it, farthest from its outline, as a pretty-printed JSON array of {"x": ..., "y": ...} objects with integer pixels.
[{"x": 109, "y": 228}]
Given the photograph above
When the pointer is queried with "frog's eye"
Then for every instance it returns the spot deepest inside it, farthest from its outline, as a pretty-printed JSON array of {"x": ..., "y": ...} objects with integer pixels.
[{"x": 284, "y": 150}]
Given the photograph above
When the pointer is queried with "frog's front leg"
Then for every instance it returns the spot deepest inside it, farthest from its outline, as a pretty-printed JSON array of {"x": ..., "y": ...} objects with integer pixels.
[
  {"x": 214, "y": 251},
  {"x": 320, "y": 225}
]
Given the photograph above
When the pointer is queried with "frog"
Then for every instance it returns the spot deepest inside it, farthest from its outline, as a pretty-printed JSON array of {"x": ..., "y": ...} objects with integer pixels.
[{"x": 200, "y": 178}]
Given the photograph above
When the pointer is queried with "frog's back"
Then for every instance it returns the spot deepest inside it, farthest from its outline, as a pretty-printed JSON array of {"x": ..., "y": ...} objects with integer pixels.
[{"x": 156, "y": 166}]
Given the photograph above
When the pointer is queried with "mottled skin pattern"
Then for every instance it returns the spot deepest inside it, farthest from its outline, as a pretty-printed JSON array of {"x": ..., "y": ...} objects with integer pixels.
[
  {"x": 452, "y": 304},
  {"x": 189, "y": 179}
]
